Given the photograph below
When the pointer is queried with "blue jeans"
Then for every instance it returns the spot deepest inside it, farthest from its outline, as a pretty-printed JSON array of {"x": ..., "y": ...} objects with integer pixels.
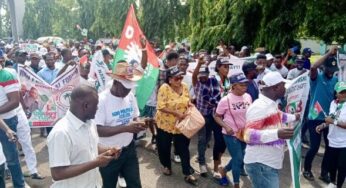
[
  {"x": 204, "y": 136},
  {"x": 11, "y": 154},
  {"x": 236, "y": 149},
  {"x": 262, "y": 175}
]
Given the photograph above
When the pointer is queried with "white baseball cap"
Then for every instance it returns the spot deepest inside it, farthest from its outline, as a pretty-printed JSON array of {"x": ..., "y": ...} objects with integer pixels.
[
  {"x": 272, "y": 78},
  {"x": 269, "y": 56}
]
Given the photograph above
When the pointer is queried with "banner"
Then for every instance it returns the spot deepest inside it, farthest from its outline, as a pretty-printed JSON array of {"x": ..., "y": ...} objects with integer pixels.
[
  {"x": 296, "y": 96},
  {"x": 130, "y": 51},
  {"x": 341, "y": 59},
  {"x": 98, "y": 71},
  {"x": 30, "y": 48},
  {"x": 46, "y": 103}
]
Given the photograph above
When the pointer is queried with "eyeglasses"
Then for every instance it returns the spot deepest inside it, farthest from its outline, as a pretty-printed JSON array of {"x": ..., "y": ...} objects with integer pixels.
[{"x": 177, "y": 78}]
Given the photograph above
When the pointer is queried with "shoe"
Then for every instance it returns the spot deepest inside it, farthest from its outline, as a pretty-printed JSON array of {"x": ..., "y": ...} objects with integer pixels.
[
  {"x": 21, "y": 153},
  {"x": 203, "y": 170},
  {"x": 191, "y": 180},
  {"x": 308, "y": 175},
  {"x": 121, "y": 182},
  {"x": 331, "y": 185},
  {"x": 243, "y": 173},
  {"x": 7, "y": 174},
  {"x": 224, "y": 181},
  {"x": 37, "y": 176},
  {"x": 325, "y": 178},
  {"x": 177, "y": 159},
  {"x": 217, "y": 175},
  {"x": 153, "y": 139},
  {"x": 166, "y": 171}
]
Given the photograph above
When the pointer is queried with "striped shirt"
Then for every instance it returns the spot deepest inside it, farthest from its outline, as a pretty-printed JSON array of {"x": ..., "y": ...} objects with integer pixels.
[
  {"x": 263, "y": 120},
  {"x": 8, "y": 84}
]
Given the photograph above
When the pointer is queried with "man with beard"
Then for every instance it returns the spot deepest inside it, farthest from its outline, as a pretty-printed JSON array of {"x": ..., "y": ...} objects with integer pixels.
[
  {"x": 299, "y": 70},
  {"x": 279, "y": 67}
]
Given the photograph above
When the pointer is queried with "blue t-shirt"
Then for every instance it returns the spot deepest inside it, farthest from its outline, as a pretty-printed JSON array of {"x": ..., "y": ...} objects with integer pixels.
[
  {"x": 307, "y": 64},
  {"x": 252, "y": 90},
  {"x": 322, "y": 90}
]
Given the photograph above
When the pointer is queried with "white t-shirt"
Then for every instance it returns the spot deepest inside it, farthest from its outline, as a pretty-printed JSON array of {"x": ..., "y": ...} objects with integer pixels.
[
  {"x": 188, "y": 81},
  {"x": 283, "y": 71},
  {"x": 152, "y": 101},
  {"x": 294, "y": 73},
  {"x": 8, "y": 84},
  {"x": 115, "y": 111},
  {"x": 337, "y": 135}
]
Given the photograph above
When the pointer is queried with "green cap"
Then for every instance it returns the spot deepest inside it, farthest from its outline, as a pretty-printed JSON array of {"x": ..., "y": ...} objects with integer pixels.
[{"x": 340, "y": 86}]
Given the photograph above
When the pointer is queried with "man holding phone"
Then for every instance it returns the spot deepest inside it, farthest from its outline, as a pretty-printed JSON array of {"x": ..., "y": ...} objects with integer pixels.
[
  {"x": 117, "y": 122},
  {"x": 74, "y": 153}
]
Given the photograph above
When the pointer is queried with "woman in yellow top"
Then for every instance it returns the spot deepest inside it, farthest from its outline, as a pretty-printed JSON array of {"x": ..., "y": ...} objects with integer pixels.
[{"x": 172, "y": 103}]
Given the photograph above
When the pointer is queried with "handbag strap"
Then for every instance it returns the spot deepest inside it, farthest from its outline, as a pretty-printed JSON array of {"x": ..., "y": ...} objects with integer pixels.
[{"x": 230, "y": 111}]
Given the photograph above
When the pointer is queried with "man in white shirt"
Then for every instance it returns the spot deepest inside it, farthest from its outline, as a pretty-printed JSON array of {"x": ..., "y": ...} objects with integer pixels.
[
  {"x": 116, "y": 120},
  {"x": 299, "y": 70},
  {"x": 265, "y": 133},
  {"x": 262, "y": 69},
  {"x": 74, "y": 153},
  {"x": 279, "y": 67}
]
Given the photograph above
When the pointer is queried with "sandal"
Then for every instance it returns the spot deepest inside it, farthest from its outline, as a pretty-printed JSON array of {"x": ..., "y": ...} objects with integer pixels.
[
  {"x": 166, "y": 171},
  {"x": 191, "y": 180}
]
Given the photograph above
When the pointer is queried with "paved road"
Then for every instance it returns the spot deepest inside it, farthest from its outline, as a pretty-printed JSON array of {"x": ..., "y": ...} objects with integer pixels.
[{"x": 151, "y": 176}]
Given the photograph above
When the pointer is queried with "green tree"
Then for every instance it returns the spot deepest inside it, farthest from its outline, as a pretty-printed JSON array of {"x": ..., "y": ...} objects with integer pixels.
[
  {"x": 326, "y": 20},
  {"x": 164, "y": 20},
  {"x": 110, "y": 17},
  {"x": 5, "y": 22}
]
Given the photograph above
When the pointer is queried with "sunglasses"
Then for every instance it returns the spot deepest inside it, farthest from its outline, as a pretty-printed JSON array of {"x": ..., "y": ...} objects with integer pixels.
[{"x": 178, "y": 78}]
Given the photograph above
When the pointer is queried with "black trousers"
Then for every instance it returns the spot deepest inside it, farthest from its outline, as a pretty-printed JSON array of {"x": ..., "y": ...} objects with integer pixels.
[
  {"x": 181, "y": 142},
  {"x": 337, "y": 166},
  {"x": 315, "y": 141},
  {"x": 127, "y": 164}
]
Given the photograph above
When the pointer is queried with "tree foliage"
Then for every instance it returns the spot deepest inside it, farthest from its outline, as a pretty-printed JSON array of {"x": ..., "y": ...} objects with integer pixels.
[
  {"x": 5, "y": 22},
  {"x": 273, "y": 24},
  {"x": 164, "y": 20},
  {"x": 110, "y": 17},
  {"x": 326, "y": 20}
]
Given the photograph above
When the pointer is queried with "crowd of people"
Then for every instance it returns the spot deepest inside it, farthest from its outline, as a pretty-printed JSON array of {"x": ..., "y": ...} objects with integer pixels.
[{"x": 93, "y": 144}]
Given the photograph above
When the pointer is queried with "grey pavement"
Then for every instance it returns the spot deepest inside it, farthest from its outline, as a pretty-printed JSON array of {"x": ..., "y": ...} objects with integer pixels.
[{"x": 150, "y": 168}]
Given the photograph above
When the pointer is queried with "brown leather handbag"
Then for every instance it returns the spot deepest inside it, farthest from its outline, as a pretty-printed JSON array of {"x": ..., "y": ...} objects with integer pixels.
[{"x": 192, "y": 123}]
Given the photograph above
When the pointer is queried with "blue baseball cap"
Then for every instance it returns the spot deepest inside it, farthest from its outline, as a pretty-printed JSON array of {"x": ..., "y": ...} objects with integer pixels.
[
  {"x": 307, "y": 50},
  {"x": 238, "y": 78}
]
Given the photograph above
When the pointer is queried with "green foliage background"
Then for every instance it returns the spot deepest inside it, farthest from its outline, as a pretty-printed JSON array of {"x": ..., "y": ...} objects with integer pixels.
[{"x": 274, "y": 24}]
